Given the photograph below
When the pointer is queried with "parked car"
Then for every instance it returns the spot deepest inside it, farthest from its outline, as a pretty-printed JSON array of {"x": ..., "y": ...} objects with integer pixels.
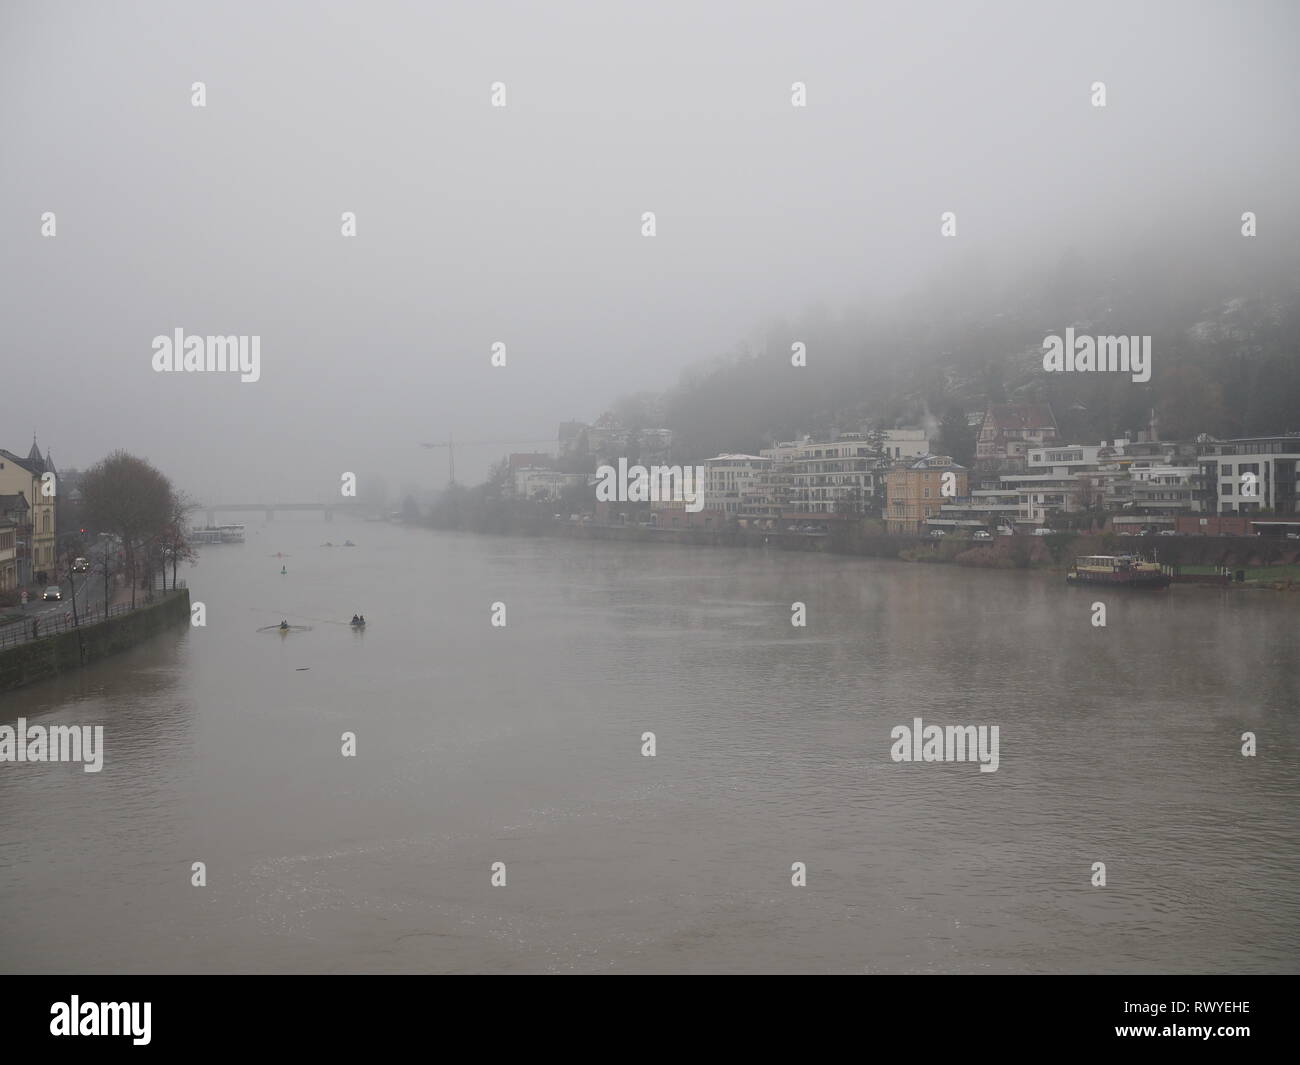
[
  {"x": 1168, "y": 532},
  {"x": 936, "y": 533},
  {"x": 52, "y": 592},
  {"x": 982, "y": 534},
  {"x": 80, "y": 565},
  {"x": 1044, "y": 532}
]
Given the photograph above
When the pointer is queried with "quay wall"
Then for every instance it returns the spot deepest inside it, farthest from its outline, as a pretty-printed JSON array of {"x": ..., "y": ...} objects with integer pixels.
[{"x": 27, "y": 663}]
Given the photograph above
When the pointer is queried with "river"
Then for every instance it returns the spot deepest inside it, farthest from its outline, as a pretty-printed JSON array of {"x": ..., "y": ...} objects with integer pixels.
[{"x": 522, "y": 744}]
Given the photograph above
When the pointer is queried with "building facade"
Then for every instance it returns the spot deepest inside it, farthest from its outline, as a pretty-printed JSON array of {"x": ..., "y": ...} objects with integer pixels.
[
  {"x": 916, "y": 492},
  {"x": 1007, "y": 433},
  {"x": 8, "y": 555},
  {"x": 1249, "y": 475},
  {"x": 36, "y": 543},
  {"x": 729, "y": 478}
]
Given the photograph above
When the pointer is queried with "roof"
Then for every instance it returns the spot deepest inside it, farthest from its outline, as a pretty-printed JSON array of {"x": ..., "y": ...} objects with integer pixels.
[
  {"x": 17, "y": 460},
  {"x": 925, "y": 462},
  {"x": 13, "y": 501}
]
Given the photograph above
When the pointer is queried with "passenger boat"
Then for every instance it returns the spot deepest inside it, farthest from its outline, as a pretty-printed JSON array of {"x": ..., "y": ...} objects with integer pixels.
[
  {"x": 217, "y": 534},
  {"x": 1124, "y": 570}
]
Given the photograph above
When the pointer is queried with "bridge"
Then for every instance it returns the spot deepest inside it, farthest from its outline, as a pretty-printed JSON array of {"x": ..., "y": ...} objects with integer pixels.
[{"x": 268, "y": 509}]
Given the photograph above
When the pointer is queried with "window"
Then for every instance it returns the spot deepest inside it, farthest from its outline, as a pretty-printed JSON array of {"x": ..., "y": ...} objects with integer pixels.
[{"x": 1225, "y": 469}]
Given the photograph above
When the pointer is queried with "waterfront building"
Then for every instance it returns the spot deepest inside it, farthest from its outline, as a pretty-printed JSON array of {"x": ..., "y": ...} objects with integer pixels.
[
  {"x": 839, "y": 477},
  {"x": 727, "y": 478},
  {"x": 1249, "y": 474},
  {"x": 914, "y": 492},
  {"x": 37, "y": 552}
]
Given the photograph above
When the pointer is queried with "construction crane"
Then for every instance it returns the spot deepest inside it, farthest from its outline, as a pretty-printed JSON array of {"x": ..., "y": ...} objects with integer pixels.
[{"x": 450, "y": 445}]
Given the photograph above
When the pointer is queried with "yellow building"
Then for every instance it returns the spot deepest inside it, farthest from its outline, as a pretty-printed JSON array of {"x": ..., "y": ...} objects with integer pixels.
[
  {"x": 8, "y": 555},
  {"x": 915, "y": 492},
  {"x": 37, "y": 546}
]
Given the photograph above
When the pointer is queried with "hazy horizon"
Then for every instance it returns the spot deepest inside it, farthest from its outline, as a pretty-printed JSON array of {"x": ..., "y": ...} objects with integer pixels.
[{"x": 522, "y": 224}]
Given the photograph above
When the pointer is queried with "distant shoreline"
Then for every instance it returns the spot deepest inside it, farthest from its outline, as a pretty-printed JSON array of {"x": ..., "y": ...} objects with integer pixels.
[{"x": 1052, "y": 554}]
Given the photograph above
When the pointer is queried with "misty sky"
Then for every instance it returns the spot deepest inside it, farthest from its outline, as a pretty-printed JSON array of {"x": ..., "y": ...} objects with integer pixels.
[{"x": 522, "y": 224}]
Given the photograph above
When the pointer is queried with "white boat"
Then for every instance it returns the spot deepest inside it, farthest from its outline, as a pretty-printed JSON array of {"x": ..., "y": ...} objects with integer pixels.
[{"x": 217, "y": 534}]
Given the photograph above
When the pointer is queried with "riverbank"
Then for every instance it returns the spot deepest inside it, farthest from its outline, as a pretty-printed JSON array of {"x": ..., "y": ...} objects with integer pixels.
[
  {"x": 40, "y": 659},
  {"x": 1198, "y": 555}
]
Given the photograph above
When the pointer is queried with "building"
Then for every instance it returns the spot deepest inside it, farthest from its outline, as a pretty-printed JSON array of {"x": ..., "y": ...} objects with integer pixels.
[
  {"x": 728, "y": 478},
  {"x": 1054, "y": 479},
  {"x": 1007, "y": 433},
  {"x": 983, "y": 507},
  {"x": 1249, "y": 474},
  {"x": 839, "y": 477},
  {"x": 537, "y": 483},
  {"x": 915, "y": 492},
  {"x": 608, "y": 440},
  {"x": 1163, "y": 489},
  {"x": 37, "y": 541},
  {"x": 538, "y": 459},
  {"x": 8, "y": 555},
  {"x": 903, "y": 444}
]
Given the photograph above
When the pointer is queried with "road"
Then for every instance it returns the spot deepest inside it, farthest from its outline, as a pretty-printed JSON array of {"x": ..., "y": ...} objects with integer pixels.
[{"x": 89, "y": 591}]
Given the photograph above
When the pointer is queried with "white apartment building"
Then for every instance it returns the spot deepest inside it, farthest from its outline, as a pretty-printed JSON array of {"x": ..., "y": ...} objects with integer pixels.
[
  {"x": 1250, "y": 474},
  {"x": 1165, "y": 489},
  {"x": 728, "y": 478},
  {"x": 903, "y": 444},
  {"x": 835, "y": 477}
]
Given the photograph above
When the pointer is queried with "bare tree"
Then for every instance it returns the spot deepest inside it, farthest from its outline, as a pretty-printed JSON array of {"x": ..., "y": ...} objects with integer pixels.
[
  {"x": 175, "y": 536},
  {"x": 127, "y": 496}
]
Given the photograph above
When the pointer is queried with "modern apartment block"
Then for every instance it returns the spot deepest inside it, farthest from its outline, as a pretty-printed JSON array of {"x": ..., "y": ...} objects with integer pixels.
[
  {"x": 837, "y": 477},
  {"x": 729, "y": 478},
  {"x": 1249, "y": 474}
]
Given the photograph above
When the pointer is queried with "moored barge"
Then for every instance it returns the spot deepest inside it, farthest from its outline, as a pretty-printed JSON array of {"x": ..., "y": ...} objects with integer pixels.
[{"x": 1123, "y": 570}]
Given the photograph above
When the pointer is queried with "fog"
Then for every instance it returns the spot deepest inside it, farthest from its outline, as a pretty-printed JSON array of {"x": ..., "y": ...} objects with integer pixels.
[{"x": 522, "y": 224}]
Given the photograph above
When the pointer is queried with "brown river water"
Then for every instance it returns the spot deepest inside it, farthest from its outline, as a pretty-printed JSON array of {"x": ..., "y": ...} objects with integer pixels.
[{"x": 522, "y": 744}]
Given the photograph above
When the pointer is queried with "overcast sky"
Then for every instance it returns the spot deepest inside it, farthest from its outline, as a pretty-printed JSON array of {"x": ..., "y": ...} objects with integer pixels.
[{"x": 523, "y": 224}]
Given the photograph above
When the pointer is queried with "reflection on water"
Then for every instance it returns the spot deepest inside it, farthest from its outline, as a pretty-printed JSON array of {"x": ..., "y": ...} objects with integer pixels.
[{"x": 522, "y": 744}]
